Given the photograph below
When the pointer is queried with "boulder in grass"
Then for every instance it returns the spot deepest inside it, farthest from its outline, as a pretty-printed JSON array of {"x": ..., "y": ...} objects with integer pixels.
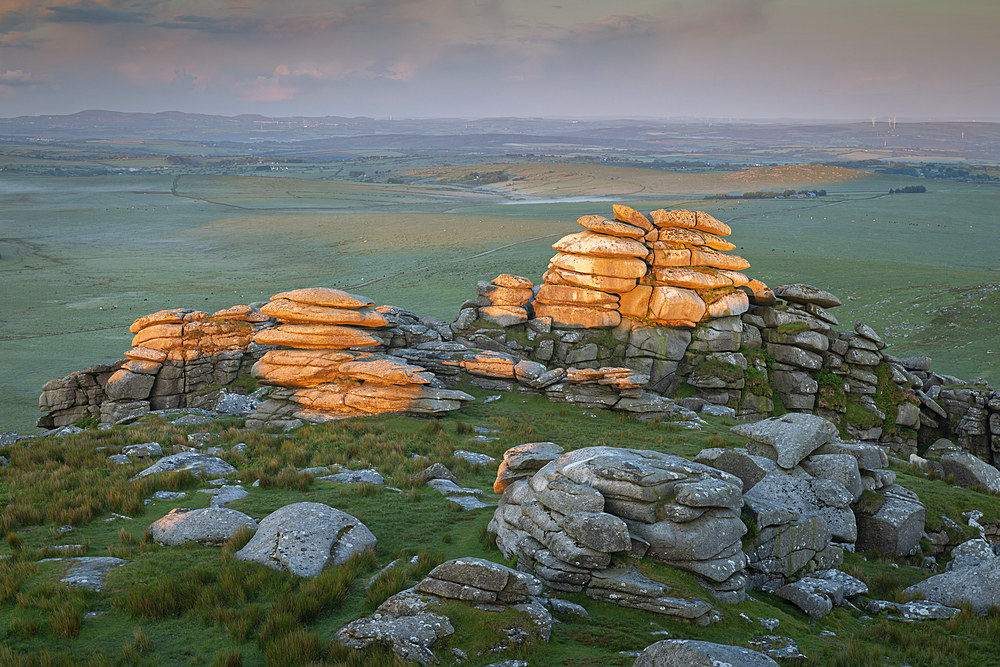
[
  {"x": 211, "y": 525},
  {"x": 303, "y": 538},
  {"x": 971, "y": 471},
  {"x": 200, "y": 465},
  {"x": 693, "y": 653},
  {"x": 974, "y": 580}
]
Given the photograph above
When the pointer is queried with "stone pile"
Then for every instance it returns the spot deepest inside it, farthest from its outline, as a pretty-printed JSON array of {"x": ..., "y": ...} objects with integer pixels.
[
  {"x": 795, "y": 468},
  {"x": 175, "y": 354},
  {"x": 410, "y": 622},
  {"x": 504, "y": 300},
  {"x": 669, "y": 270},
  {"x": 820, "y": 592},
  {"x": 327, "y": 374},
  {"x": 567, "y": 519}
]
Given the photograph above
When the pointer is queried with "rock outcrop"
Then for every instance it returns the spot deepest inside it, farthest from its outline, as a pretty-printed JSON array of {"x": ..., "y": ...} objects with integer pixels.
[
  {"x": 327, "y": 374},
  {"x": 653, "y": 302},
  {"x": 175, "y": 355},
  {"x": 566, "y": 521},
  {"x": 668, "y": 270}
]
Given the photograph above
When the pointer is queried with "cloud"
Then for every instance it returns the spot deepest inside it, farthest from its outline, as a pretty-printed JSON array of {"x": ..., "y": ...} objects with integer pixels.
[
  {"x": 225, "y": 25},
  {"x": 14, "y": 20},
  {"x": 316, "y": 24},
  {"x": 267, "y": 89},
  {"x": 17, "y": 40},
  {"x": 91, "y": 12},
  {"x": 16, "y": 77}
]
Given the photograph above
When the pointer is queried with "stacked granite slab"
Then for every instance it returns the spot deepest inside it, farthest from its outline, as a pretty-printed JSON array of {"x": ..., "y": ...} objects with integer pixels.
[
  {"x": 504, "y": 300},
  {"x": 411, "y": 622},
  {"x": 327, "y": 373},
  {"x": 667, "y": 269},
  {"x": 566, "y": 520},
  {"x": 175, "y": 354}
]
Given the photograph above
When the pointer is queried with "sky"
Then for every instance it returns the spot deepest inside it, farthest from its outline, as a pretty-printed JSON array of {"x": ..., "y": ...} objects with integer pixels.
[{"x": 747, "y": 59}]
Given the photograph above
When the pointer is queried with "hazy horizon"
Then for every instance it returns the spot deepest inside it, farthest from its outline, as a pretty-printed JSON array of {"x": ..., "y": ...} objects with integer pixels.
[
  {"x": 552, "y": 117},
  {"x": 721, "y": 60}
]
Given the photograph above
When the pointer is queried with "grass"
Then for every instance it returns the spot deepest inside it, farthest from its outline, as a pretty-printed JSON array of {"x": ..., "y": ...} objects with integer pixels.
[{"x": 197, "y": 605}]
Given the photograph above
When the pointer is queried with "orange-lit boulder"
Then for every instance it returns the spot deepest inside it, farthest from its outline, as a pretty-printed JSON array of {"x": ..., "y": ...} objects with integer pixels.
[
  {"x": 601, "y": 225},
  {"x": 578, "y": 317},
  {"x": 697, "y": 279},
  {"x": 600, "y": 245},
  {"x": 621, "y": 267},
  {"x": 631, "y": 216},
  {"x": 676, "y": 304},
  {"x": 734, "y": 303},
  {"x": 678, "y": 218},
  {"x": 635, "y": 304},
  {"x": 171, "y": 316},
  {"x": 296, "y": 312},
  {"x": 575, "y": 296},
  {"x": 325, "y": 296},
  {"x": 513, "y": 282},
  {"x": 612, "y": 284},
  {"x": 300, "y": 368},
  {"x": 718, "y": 260},
  {"x": 321, "y": 336}
]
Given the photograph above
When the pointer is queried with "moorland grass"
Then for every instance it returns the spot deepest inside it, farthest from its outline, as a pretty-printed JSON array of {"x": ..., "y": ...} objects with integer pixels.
[{"x": 198, "y": 605}]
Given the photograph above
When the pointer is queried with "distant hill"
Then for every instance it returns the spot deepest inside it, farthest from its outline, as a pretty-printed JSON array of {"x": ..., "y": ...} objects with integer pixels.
[
  {"x": 578, "y": 180},
  {"x": 765, "y": 141}
]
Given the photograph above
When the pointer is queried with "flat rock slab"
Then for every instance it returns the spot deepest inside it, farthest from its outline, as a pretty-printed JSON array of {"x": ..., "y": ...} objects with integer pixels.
[
  {"x": 918, "y": 610},
  {"x": 468, "y": 502},
  {"x": 225, "y": 494},
  {"x": 168, "y": 495},
  {"x": 211, "y": 525},
  {"x": 971, "y": 471},
  {"x": 369, "y": 476},
  {"x": 446, "y": 488},
  {"x": 200, "y": 465},
  {"x": 691, "y": 653},
  {"x": 788, "y": 439},
  {"x": 776, "y": 646},
  {"x": 475, "y": 458},
  {"x": 87, "y": 571},
  {"x": 303, "y": 538}
]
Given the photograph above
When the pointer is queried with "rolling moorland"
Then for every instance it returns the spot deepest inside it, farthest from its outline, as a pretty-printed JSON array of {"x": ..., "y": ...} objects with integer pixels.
[{"x": 96, "y": 234}]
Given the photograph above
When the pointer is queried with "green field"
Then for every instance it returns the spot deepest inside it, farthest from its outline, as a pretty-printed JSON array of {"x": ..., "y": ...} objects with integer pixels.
[{"x": 80, "y": 258}]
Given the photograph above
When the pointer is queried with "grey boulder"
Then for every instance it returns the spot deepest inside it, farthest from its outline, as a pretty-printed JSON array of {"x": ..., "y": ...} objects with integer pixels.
[
  {"x": 971, "y": 471},
  {"x": 303, "y": 538},
  {"x": 973, "y": 579},
  {"x": 692, "y": 653},
  {"x": 211, "y": 525},
  {"x": 788, "y": 439},
  {"x": 896, "y": 527},
  {"x": 201, "y": 465}
]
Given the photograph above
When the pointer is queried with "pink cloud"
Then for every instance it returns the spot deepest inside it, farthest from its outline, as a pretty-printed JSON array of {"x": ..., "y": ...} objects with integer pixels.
[
  {"x": 16, "y": 77},
  {"x": 267, "y": 89}
]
